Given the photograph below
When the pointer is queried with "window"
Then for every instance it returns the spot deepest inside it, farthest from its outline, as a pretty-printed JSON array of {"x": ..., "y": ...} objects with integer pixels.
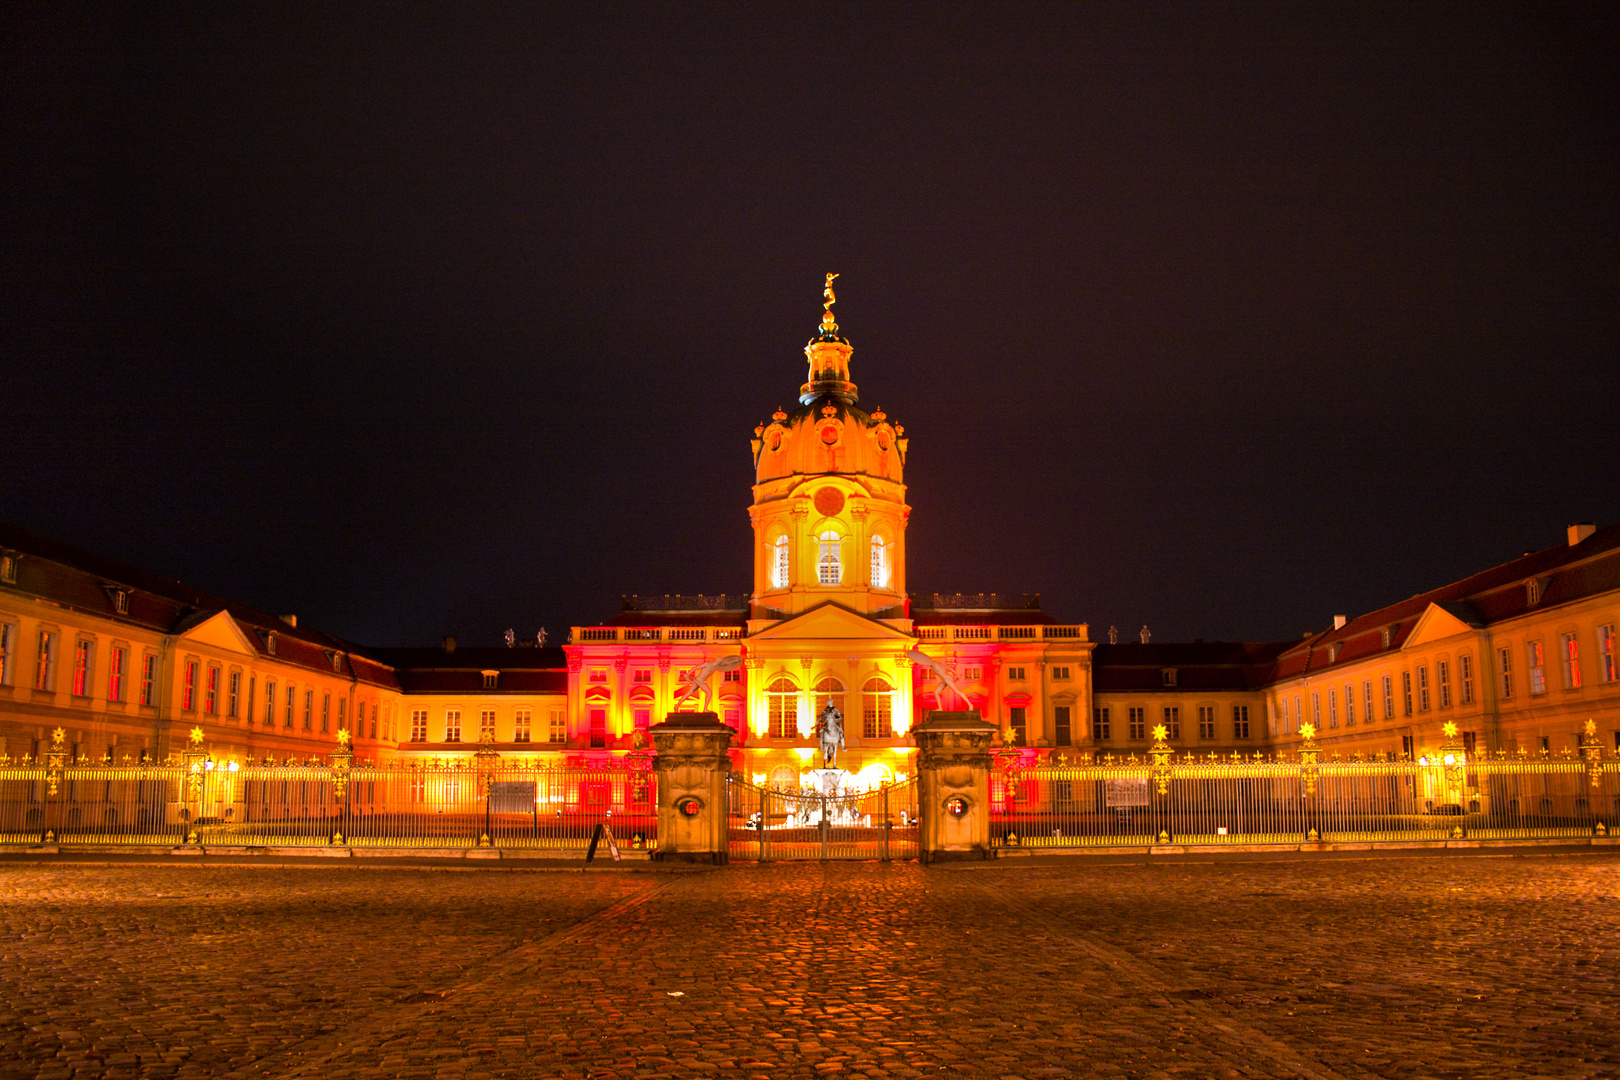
[
  {"x": 1060, "y": 674},
  {"x": 734, "y": 675},
  {"x": 520, "y": 726},
  {"x": 1168, "y": 676},
  {"x": 1385, "y": 637},
  {"x": 326, "y": 712},
  {"x": 291, "y": 700},
  {"x": 211, "y": 692},
  {"x": 1240, "y": 721},
  {"x": 8, "y": 639},
  {"x": 1406, "y": 747},
  {"x": 1538, "y": 668},
  {"x": 1172, "y": 721},
  {"x": 1423, "y": 687},
  {"x": 643, "y": 675},
  {"x": 359, "y": 718},
  {"x": 233, "y": 694},
  {"x": 1206, "y": 721},
  {"x": 781, "y": 564},
  {"x": 1062, "y": 735},
  {"x": 1316, "y": 709},
  {"x": 269, "y": 704},
  {"x": 343, "y": 713},
  {"x": 120, "y": 599},
  {"x": 598, "y": 729},
  {"x": 1532, "y": 592},
  {"x": 418, "y": 725},
  {"x": 1572, "y": 662},
  {"x": 1406, "y": 692},
  {"x": 1101, "y": 729},
  {"x": 1465, "y": 678},
  {"x": 829, "y": 571},
  {"x": 642, "y": 718},
  {"x": 45, "y": 661},
  {"x": 880, "y": 563},
  {"x": 1505, "y": 664},
  {"x": 8, "y": 569},
  {"x": 1333, "y": 708},
  {"x": 1389, "y": 699},
  {"x": 1137, "y": 723},
  {"x": 1015, "y": 673},
  {"x": 376, "y": 707},
  {"x": 557, "y": 727},
  {"x": 188, "y": 687},
  {"x": 1366, "y": 700},
  {"x": 452, "y": 725},
  {"x": 1287, "y": 721},
  {"x": 972, "y": 673},
  {"x": 1299, "y": 710},
  {"x": 782, "y": 707},
  {"x": 1470, "y": 744},
  {"x": 117, "y": 669},
  {"x": 1018, "y": 720},
  {"x": 1608, "y": 663},
  {"x": 877, "y": 709},
  {"x": 1349, "y": 705},
  {"x": 734, "y": 717},
  {"x": 490, "y": 678},
  {"x": 598, "y": 674},
  {"x": 81, "y": 668},
  {"x": 828, "y": 691},
  {"x": 486, "y": 725}
]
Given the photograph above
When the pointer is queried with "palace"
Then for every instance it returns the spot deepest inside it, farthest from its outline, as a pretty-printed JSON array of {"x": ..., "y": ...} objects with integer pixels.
[{"x": 1518, "y": 656}]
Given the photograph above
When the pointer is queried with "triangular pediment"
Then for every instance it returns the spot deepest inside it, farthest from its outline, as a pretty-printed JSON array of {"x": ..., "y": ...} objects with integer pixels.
[
  {"x": 1435, "y": 624},
  {"x": 222, "y": 632},
  {"x": 830, "y": 621}
]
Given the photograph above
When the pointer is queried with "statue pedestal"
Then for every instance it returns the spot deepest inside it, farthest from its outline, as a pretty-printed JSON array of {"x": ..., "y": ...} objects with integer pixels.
[
  {"x": 693, "y": 768},
  {"x": 953, "y": 786},
  {"x": 830, "y": 782}
]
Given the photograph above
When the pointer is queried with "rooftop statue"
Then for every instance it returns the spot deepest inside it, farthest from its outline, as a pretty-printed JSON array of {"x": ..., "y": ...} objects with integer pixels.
[{"x": 700, "y": 680}]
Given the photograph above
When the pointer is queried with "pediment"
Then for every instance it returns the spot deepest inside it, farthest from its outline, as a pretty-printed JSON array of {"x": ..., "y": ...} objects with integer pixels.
[
  {"x": 220, "y": 631},
  {"x": 833, "y": 622},
  {"x": 1435, "y": 624}
]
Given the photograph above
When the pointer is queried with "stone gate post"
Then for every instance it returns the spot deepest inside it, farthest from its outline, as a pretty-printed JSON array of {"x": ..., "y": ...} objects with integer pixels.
[
  {"x": 953, "y": 786},
  {"x": 693, "y": 769}
]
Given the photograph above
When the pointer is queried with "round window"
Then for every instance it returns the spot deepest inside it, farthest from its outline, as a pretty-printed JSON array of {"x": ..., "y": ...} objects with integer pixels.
[
  {"x": 689, "y": 806},
  {"x": 957, "y": 806}
]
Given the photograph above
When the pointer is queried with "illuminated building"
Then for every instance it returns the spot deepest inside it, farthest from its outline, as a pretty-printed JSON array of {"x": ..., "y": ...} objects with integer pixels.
[{"x": 1519, "y": 656}]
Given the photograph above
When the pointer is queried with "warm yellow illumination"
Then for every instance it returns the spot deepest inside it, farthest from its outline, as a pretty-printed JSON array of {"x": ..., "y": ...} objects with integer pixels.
[
  {"x": 1160, "y": 731},
  {"x": 1449, "y": 730},
  {"x": 1307, "y": 731},
  {"x": 759, "y": 779},
  {"x": 805, "y": 752}
]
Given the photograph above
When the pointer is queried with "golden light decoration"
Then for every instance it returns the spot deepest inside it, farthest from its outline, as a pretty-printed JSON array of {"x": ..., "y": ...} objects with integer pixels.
[
  {"x": 343, "y": 737},
  {"x": 1307, "y": 730},
  {"x": 196, "y": 736},
  {"x": 1449, "y": 729},
  {"x": 60, "y": 734},
  {"x": 1159, "y": 732}
]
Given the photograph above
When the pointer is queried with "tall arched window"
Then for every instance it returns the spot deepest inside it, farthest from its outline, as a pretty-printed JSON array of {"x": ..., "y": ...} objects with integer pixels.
[
  {"x": 877, "y": 713},
  {"x": 880, "y": 563},
  {"x": 829, "y": 690},
  {"x": 782, "y": 703},
  {"x": 829, "y": 570},
  {"x": 780, "y": 563}
]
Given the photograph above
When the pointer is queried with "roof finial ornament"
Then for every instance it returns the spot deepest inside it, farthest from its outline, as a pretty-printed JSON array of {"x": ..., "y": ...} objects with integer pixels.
[{"x": 828, "y": 326}]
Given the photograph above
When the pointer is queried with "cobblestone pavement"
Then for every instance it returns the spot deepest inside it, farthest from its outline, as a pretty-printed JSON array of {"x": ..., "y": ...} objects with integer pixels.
[{"x": 1411, "y": 968}]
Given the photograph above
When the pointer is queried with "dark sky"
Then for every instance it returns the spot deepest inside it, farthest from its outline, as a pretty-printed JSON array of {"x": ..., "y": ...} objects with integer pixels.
[{"x": 445, "y": 318}]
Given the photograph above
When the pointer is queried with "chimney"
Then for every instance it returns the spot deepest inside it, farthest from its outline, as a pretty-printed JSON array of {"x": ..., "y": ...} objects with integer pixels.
[
  {"x": 1339, "y": 621},
  {"x": 292, "y": 620},
  {"x": 449, "y": 643},
  {"x": 1580, "y": 531}
]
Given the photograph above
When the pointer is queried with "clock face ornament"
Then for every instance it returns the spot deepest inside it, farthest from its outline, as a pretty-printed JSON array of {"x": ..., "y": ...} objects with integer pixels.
[{"x": 829, "y": 501}]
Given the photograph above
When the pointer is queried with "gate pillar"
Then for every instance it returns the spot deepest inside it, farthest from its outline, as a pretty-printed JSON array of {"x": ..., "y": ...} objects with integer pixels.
[
  {"x": 693, "y": 768},
  {"x": 953, "y": 786}
]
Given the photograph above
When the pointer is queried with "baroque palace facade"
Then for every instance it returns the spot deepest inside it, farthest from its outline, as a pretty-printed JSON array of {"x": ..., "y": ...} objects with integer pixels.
[{"x": 1518, "y": 656}]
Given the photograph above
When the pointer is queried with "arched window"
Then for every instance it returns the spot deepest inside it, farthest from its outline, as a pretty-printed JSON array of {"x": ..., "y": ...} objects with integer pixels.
[
  {"x": 880, "y": 563},
  {"x": 877, "y": 712},
  {"x": 780, "y": 563},
  {"x": 782, "y": 702},
  {"x": 829, "y": 690},
  {"x": 829, "y": 569}
]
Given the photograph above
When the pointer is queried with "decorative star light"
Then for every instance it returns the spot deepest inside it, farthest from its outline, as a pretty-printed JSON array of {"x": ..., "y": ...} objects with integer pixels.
[
  {"x": 1448, "y": 729},
  {"x": 196, "y": 736},
  {"x": 1591, "y": 727},
  {"x": 1307, "y": 730},
  {"x": 60, "y": 734},
  {"x": 1159, "y": 732},
  {"x": 343, "y": 736}
]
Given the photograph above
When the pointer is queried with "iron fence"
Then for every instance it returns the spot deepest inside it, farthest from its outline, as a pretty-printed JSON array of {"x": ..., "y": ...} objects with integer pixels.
[
  {"x": 1275, "y": 802},
  {"x": 779, "y": 822},
  {"x": 544, "y": 811}
]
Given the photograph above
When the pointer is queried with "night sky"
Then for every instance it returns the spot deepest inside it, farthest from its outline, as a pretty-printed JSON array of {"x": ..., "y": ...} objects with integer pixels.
[{"x": 428, "y": 319}]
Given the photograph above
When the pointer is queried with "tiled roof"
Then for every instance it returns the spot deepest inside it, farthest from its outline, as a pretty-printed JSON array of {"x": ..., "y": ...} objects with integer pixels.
[{"x": 1199, "y": 665}]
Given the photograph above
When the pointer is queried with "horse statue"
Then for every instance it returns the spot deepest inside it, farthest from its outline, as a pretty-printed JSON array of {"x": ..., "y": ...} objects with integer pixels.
[
  {"x": 830, "y": 730},
  {"x": 700, "y": 680}
]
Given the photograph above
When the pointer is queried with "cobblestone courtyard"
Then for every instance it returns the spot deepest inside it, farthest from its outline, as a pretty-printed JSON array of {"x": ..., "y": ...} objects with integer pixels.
[{"x": 1387, "y": 967}]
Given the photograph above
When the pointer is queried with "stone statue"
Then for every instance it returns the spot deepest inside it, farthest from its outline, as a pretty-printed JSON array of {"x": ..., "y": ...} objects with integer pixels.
[
  {"x": 540, "y": 638},
  {"x": 828, "y": 293},
  {"x": 1113, "y": 635},
  {"x": 700, "y": 680},
  {"x": 945, "y": 676},
  {"x": 510, "y": 637},
  {"x": 1145, "y": 634},
  {"x": 830, "y": 730}
]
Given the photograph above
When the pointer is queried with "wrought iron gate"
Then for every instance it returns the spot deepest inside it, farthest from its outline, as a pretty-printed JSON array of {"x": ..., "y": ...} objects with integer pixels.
[{"x": 802, "y": 823}]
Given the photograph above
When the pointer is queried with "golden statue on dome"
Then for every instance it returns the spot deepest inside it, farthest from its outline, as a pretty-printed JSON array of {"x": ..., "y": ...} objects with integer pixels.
[{"x": 828, "y": 326}]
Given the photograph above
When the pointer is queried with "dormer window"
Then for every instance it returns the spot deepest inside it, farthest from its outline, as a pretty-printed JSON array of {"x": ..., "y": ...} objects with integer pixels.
[
  {"x": 1333, "y": 652},
  {"x": 490, "y": 678},
  {"x": 1388, "y": 633},
  {"x": 270, "y": 643},
  {"x": 335, "y": 660},
  {"x": 8, "y": 569},
  {"x": 1169, "y": 676},
  {"x": 1532, "y": 592},
  {"x": 119, "y": 598}
]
